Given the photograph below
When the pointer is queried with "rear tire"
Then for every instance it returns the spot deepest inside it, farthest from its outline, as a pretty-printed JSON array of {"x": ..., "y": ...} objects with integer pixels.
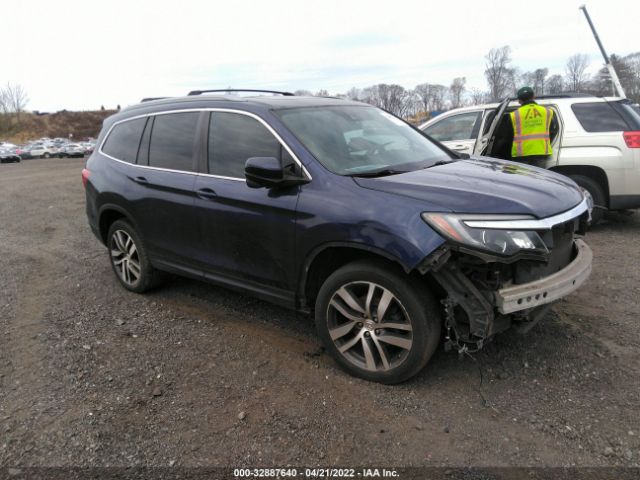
[
  {"x": 597, "y": 194},
  {"x": 376, "y": 322},
  {"x": 129, "y": 258}
]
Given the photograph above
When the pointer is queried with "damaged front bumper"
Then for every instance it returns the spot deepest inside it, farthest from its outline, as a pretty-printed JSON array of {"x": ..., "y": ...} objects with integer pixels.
[
  {"x": 483, "y": 298},
  {"x": 548, "y": 289}
]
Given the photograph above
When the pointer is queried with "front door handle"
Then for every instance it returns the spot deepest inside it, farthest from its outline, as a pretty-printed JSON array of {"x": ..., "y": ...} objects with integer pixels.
[
  {"x": 206, "y": 193},
  {"x": 140, "y": 180}
]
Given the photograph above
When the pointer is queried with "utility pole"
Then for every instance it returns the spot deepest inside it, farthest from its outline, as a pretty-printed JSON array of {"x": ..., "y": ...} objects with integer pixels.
[{"x": 612, "y": 71}]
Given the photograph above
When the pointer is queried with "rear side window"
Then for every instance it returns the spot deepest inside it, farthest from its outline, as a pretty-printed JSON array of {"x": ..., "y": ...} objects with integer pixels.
[
  {"x": 628, "y": 111},
  {"x": 457, "y": 127},
  {"x": 124, "y": 139},
  {"x": 172, "y": 141},
  {"x": 599, "y": 117},
  {"x": 234, "y": 138}
]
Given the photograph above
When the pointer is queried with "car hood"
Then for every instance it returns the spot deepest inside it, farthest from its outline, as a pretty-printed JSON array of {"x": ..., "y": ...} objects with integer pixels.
[{"x": 484, "y": 185}]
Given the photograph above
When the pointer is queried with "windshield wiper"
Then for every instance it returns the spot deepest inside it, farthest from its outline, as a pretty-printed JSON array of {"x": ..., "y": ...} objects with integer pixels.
[
  {"x": 440, "y": 162},
  {"x": 385, "y": 172}
]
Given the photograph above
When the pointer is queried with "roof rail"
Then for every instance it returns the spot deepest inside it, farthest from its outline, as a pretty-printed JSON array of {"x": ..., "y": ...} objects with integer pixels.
[
  {"x": 229, "y": 90},
  {"x": 151, "y": 99},
  {"x": 567, "y": 95}
]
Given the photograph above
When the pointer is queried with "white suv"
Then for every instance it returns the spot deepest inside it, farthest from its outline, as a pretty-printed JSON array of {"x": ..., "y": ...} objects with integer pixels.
[
  {"x": 43, "y": 151},
  {"x": 598, "y": 143}
]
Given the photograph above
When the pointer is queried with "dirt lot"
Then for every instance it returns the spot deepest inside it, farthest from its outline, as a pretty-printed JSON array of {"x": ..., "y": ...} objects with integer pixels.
[{"x": 192, "y": 375}]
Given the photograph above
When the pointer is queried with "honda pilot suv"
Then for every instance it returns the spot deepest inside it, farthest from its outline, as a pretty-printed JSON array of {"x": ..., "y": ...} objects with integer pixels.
[{"x": 341, "y": 209}]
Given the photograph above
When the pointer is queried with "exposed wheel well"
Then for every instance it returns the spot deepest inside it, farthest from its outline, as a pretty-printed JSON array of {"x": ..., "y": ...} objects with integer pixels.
[
  {"x": 106, "y": 219},
  {"x": 595, "y": 173},
  {"x": 329, "y": 260}
]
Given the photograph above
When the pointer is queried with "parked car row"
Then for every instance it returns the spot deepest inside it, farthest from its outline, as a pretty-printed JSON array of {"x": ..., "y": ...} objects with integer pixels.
[{"x": 47, "y": 148}]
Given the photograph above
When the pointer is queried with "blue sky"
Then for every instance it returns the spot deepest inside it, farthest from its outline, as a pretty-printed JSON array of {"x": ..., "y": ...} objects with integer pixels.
[{"x": 83, "y": 54}]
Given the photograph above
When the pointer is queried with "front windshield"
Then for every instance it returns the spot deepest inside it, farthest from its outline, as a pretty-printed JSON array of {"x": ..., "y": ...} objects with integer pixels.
[{"x": 354, "y": 140}]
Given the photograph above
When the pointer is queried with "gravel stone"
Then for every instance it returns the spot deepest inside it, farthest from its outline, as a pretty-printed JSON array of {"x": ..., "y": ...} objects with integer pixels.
[{"x": 205, "y": 342}]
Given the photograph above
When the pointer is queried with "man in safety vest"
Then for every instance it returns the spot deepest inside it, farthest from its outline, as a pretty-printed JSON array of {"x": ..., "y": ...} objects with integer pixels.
[{"x": 534, "y": 128}]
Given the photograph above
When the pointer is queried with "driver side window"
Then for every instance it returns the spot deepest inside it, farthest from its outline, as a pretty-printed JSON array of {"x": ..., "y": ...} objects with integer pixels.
[
  {"x": 234, "y": 138},
  {"x": 463, "y": 126}
]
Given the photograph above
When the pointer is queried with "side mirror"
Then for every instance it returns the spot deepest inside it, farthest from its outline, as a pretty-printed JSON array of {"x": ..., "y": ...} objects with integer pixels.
[{"x": 268, "y": 172}]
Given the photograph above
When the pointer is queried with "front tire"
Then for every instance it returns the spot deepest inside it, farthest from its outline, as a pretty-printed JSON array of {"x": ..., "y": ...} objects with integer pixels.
[
  {"x": 376, "y": 322},
  {"x": 129, "y": 258}
]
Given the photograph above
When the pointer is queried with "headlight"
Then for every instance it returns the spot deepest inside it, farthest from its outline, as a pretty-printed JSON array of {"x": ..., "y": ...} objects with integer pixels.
[{"x": 503, "y": 242}]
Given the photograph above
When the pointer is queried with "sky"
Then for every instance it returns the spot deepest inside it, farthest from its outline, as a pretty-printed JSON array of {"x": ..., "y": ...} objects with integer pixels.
[{"x": 80, "y": 55}]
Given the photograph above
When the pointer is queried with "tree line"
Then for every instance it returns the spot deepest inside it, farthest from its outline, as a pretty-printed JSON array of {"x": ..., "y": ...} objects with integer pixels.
[{"x": 503, "y": 79}]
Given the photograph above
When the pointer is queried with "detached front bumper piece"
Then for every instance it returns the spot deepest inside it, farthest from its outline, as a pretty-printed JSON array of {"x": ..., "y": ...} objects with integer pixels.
[{"x": 548, "y": 289}]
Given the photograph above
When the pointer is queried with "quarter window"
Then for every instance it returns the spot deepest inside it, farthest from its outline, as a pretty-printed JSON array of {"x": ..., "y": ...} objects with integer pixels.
[
  {"x": 234, "y": 138},
  {"x": 456, "y": 127},
  {"x": 599, "y": 117},
  {"x": 124, "y": 139},
  {"x": 172, "y": 141}
]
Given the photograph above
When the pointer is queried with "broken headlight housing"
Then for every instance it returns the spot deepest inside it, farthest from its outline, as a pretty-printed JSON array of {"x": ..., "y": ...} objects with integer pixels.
[{"x": 499, "y": 241}]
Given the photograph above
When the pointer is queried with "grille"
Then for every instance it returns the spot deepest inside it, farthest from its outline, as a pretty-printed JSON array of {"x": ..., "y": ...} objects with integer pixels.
[{"x": 559, "y": 241}]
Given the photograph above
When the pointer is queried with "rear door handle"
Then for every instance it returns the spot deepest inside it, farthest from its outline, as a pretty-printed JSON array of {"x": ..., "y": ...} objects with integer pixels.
[{"x": 206, "y": 193}]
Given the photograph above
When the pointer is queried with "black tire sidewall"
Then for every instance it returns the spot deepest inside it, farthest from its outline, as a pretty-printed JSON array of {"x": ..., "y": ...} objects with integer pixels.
[{"x": 418, "y": 302}]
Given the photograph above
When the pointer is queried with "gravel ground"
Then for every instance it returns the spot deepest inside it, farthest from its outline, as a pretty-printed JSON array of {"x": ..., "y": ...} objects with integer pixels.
[{"x": 194, "y": 375}]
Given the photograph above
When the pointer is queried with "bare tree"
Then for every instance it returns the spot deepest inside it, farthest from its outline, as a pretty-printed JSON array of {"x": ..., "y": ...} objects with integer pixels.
[
  {"x": 632, "y": 85},
  {"x": 576, "y": 71},
  {"x": 413, "y": 106},
  {"x": 354, "y": 94},
  {"x": 303, "y": 93},
  {"x": 628, "y": 71},
  {"x": 393, "y": 98},
  {"x": 555, "y": 85},
  {"x": 431, "y": 96},
  {"x": 500, "y": 76},
  {"x": 535, "y": 79},
  {"x": 18, "y": 98},
  {"x": 4, "y": 112},
  {"x": 478, "y": 97},
  {"x": 4, "y": 102},
  {"x": 540, "y": 76},
  {"x": 456, "y": 90},
  {"x": 423, "y": 93}
]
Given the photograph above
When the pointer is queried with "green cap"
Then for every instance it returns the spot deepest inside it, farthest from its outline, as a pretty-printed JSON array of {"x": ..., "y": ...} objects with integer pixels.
[{"x": 525, "y": 93}]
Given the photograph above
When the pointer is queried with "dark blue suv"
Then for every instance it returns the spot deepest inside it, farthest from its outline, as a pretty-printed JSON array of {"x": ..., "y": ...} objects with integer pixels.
[{"x": 338, "y": 208}]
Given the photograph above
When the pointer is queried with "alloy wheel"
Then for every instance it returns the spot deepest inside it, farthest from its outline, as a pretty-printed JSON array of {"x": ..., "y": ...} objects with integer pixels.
[
  {"x": 369, "y": 326},
  {"x": 124, "y": 255}
]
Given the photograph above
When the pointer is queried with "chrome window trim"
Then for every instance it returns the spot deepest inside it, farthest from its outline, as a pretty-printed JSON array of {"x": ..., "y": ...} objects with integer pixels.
[
  {"x": 531, "y": 224},
  {"x": 187, "y": 110}
]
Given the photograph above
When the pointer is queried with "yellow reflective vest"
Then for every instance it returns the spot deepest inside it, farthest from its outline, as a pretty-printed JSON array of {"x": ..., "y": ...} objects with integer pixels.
[{"x": 531, "y": 124}]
